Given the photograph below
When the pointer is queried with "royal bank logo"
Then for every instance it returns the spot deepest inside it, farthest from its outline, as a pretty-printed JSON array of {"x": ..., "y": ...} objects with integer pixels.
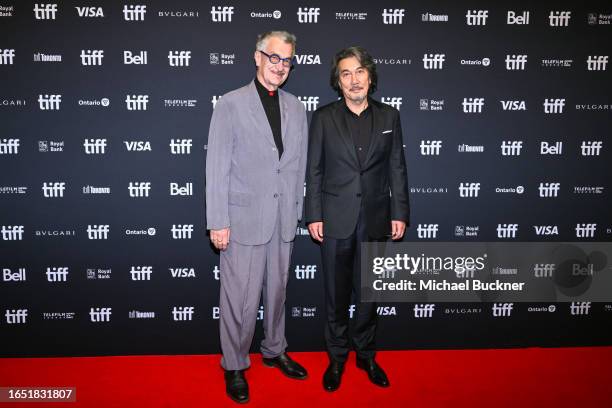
[
  {"x": 98, "y": 274},
  {"x": 222, "y": 58},
  {"x": 222, "y": 14},
  {"x": 431, "y": 104},
  {"x": 393, "y": 16},
  {"x": 6, "y": 11},
  {"x": 134, "y": 12},
  {"x": 467, "y": 231},
  {"x": 308, "y": 15},
  {"x": 303, "y": 311},
  {"x": 599, "y": 19},
  {"x": 44, "y": 11},
  {"x": 50, "y": 146}
]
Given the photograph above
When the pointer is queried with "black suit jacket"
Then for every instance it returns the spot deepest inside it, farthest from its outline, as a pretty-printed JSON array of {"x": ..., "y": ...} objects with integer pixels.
[{"x": 336, "y": 184}]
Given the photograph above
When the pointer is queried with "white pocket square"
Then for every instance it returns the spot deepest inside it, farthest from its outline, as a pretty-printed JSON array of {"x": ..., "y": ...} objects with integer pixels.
[{"x": 386, "y": 131}]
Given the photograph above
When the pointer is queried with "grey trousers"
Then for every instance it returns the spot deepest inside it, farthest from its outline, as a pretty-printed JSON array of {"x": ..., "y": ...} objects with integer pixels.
[{"x": 245, "y": 270}]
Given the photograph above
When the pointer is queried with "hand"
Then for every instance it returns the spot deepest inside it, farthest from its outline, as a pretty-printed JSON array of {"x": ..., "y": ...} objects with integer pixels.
[
  {"x": 316, "y": 230},
  {"x": 397, "y": 229},
  {"x": 220, "y": 238}
]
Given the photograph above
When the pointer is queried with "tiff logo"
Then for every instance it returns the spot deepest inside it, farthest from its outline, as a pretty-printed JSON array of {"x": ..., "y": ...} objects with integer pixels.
[
  {"x": 544, "y": 270},
  {"x": 507, "y": 230},
  {"x": 469, "y": 189},
  {"x": 511, "y": 147},
  {"x": 427, "y": 230},
  {"x": 139, "y": 189},
  {"x": 9, "y": 146},
  {"x": 393, "y": 16},
  {"x": 53, "y": 190},
  {"x": 179, "y": 58},
  {"x": 45, "y": 11},
  {"x": 182, "y": 313},
  {"x": 395, "y": 102},
  {"x": 305, "y": 271},
  {"x": 521, "y": 19},
  {"x": 472, "y": 105},
  {"x": 140, "y": 273},
  {"x": 7, "y": 56},
  {"x": 12, "y": 232},
  {"x": 515, "y": 62},
  {"x": 597, "y": 62},
  {"x": 49, "y": 102},
  {"x": 221, "y": 14},
  {"x": 92, "y": 57},
  {"x": 430, "y": 147},
  {"x": 553, "y": 149},
  {"x": 580, "y": 308},
  {"x": 57, "y": 274},
  {"x": 97, "y": 231},
  {"x": 308, "y": 14},
  {"x": 559, "y": 18},
  {"x": 134, "y": 12},
  {"x": 548, "y": 190},
  {"x": 591, "y": 147},
  {"x": 433, "y": 61},
  {"x": 214, "y": 100},
  {"x": 476, "y": 17},
  {"x": 585, "y": 230},
  {"x": 136, "y": 102},
  {"x": 502, "y": 309},
  {"x": 181, "y": 231},
  {"x": 16, "y": 316},
  {"x": 424, "y": 310},
  {"x": 553, "y": 105},
  {"x": 180, "y": 146},
  {"x": 310, "y": 102},
  {"x": 94, "y": 146},
  {"x": 100, "y": 314}
]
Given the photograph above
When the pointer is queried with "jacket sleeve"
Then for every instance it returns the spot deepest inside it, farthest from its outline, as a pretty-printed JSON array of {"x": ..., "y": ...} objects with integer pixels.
[
  {"x": 400, "y": 207},
  {"x": 314, "y": 171},
  {"x": 299, "y": 190},
  {"x": 218, "y": 164}
]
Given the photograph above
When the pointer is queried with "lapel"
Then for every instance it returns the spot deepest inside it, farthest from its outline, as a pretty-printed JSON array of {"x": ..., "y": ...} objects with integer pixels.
[
  {"x": 377, "y": 128},
  {"x": 260, "y": 120},
  {"x": 339, "y": 119}
]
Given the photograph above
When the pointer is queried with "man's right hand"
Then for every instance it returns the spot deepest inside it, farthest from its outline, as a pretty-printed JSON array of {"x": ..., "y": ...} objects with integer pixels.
[
  {"x": 316, "y": 230},
  {"x": 220, "y": 238}
]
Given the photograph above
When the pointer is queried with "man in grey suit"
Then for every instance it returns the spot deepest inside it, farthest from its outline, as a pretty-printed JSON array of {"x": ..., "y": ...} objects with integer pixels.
[{"x": 255, "y": 169}]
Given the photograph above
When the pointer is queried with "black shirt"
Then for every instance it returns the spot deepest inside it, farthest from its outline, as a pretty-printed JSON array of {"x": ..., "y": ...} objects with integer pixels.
[
  {"x": 360, "y": 127},
  {"x": 271, "y": 106}
]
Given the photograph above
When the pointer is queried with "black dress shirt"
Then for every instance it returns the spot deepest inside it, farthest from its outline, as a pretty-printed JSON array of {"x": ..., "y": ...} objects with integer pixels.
[
  {"x": 269, "y": 100},
  {"x": 360, "y": 127}
]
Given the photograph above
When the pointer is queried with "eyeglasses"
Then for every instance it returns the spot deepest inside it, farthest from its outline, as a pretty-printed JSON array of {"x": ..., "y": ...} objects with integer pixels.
[{"x": 275, "y": 59}]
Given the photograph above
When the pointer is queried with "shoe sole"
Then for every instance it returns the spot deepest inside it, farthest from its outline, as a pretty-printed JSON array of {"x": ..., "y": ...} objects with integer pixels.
[{"x": 272, "y": 365}]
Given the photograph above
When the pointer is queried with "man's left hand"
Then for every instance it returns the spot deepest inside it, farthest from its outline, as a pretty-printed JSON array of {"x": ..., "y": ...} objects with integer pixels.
[{"x": 397, "y": 229}]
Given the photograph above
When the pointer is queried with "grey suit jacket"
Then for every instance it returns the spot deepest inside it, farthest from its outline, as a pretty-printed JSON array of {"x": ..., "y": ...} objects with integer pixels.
[{"x": 246, "y": 184}]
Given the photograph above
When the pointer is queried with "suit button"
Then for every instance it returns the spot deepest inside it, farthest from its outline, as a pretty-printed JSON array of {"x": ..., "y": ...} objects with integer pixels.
[
  {"x": 278, "y": 170},
  {"x": 358, "y": 194},
  {"x": 275, "y": 195}
]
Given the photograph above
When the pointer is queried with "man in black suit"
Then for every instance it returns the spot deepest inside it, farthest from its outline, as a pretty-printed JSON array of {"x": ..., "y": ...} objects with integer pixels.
[{"x": 356, "y": 191}]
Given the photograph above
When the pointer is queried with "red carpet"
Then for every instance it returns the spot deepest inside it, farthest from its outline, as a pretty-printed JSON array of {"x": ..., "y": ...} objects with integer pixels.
[{"x": 534, "y": 377}]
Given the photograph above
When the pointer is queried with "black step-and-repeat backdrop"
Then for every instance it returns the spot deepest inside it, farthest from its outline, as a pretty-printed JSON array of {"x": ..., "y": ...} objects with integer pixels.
[{"x": 104, "y": 115}]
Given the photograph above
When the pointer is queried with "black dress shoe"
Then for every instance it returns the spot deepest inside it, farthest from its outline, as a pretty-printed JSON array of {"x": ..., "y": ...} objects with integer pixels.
[
  {"x": 375, "y": 373},
  {"x": 333, "y": 375},
  {"x": 236, "y": 386},
  {"x": 288, "y": 367}
]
